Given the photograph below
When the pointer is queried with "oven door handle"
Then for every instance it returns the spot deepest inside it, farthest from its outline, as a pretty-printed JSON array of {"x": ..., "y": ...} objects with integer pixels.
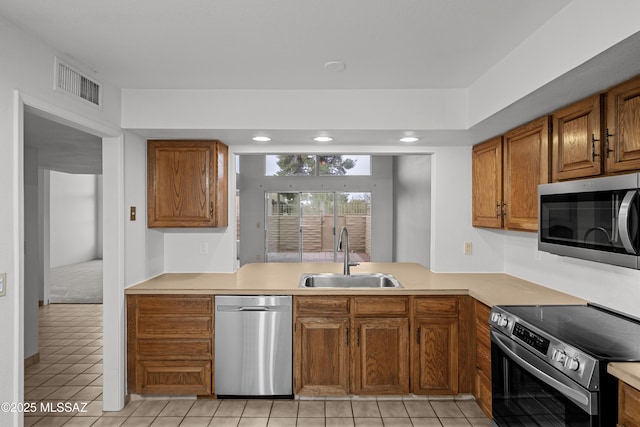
[
  {"x": 526, "y": 360},
  {"x": 623, "y": 221}
]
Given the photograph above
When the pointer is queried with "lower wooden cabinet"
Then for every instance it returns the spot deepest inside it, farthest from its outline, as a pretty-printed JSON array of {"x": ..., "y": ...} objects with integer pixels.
[
  {"x": 482, "y": 387},
  {"x": 628, "y": 405},
  {"x": 349, "y": 345},
  {"x": 170, "y": 344}
]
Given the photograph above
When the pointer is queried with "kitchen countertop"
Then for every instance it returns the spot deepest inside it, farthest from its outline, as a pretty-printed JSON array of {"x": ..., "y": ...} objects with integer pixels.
[
  {"x": 282, "y": 278},
  {"x": 629, "y": 372}
]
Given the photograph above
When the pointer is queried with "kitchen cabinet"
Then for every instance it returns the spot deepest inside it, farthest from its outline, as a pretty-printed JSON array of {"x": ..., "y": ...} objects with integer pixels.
[
  {"x": 435, "y": 354},
  {"x": 622, "y": 134},
  {"x": 381, "y": 351},
  {"x": 482, "y": 386},
  {"x": 187, "y": 183},
  {"x": 321, "y": 345},
  {"x": 526, "y": 164},
  {"x": 170, "y": 344},
  {"x": 577, "y": 140},
  {"x": 487, "y": 184},
  {"x": 628, "y": 405},
  {"x": 506, "y": 174},
  {"x": 351, "y": 345}
]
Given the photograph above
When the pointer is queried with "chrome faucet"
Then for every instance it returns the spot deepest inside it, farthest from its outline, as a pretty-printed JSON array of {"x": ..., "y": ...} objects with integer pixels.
[{"x": 347, "y": 265}]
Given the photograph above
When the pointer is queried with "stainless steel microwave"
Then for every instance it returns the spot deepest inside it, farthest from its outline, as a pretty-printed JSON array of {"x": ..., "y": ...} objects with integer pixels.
[{"x": 595, "y": 219}]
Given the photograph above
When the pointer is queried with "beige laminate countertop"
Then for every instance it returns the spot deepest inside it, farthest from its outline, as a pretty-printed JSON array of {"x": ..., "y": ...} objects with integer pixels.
[
  {"x": 629, "y": 372},
  {"x": 282, "y": 278}
]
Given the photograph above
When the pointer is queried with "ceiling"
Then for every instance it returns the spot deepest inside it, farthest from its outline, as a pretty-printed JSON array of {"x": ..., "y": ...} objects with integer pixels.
[{"x": 284, "y": 44}]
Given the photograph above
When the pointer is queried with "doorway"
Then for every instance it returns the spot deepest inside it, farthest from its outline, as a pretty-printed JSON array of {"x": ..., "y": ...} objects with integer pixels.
[{"x": 303, "y": 226}]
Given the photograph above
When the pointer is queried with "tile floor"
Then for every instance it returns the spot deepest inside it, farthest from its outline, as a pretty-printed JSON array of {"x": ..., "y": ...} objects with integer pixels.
[{"x": 70, "y": 374}]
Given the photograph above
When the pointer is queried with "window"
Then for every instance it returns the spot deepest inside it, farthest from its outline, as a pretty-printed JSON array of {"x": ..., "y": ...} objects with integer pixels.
[{"x": 317, "y": 165}]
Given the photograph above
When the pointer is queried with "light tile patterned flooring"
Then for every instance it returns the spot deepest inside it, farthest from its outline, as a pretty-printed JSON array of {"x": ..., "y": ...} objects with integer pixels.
[{"x": 70, "y": 372}]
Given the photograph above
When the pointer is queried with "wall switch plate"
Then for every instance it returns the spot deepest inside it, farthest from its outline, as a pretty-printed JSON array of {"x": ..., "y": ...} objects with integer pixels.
[
  {"x": 467, "y": 248},
  {"x": 3, "y": 284}
]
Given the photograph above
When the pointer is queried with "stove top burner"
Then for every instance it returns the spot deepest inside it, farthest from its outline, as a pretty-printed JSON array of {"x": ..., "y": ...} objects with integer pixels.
[{"x": 602, "y": 334}]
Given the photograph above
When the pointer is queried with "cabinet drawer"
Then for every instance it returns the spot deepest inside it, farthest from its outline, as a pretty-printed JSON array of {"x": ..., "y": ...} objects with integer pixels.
[
  {"x": 365, "y": 306},
  {"x": 155, "y": 325},
  {"x": 174, "y": 349},
  {"x": 483, "y": 359},
  {"x": 436, "y": 306},
  {"x": 482, "y": 313},
  {"x": 173, "y": 377},
  {"x": 323, "y": 306},
  {"x": 178, "y": 304},
  {"x": 483, "y": 336}
]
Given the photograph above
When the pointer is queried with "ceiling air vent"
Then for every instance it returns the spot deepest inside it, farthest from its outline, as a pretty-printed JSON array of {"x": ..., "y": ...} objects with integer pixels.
[{"x": 77, "y": 84}]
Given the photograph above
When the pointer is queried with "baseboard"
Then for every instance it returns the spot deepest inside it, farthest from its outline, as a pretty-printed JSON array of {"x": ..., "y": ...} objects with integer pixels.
[{"x": 32, "y": 360}]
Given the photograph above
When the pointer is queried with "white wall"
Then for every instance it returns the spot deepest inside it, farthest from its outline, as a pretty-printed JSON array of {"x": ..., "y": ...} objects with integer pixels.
[
  {"x": 144, "y": 247},
  {"x": 27, "y": 67},
  {"x": 412, "y": 209},
  {"x": 75, "y": 230}
]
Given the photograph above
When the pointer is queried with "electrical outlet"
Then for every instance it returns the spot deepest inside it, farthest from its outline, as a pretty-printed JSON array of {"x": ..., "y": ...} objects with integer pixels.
[
  {"x": 3, "y": 284},
  {"x": 467, "y": 248},
  {"x": 204, "y": 248}
]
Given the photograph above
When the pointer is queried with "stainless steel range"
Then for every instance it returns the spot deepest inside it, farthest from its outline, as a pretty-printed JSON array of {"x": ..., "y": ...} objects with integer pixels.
[{"x": 548, "y": 364}]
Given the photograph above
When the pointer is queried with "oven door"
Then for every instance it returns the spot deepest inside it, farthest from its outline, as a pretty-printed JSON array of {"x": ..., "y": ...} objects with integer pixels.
[{"x": 528, "y": 392}]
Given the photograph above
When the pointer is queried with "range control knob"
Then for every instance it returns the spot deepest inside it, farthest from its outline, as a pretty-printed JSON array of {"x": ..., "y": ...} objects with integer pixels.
[
  {"x": 572, "y": 364},
  {"x": 502, "y": 321},
  {"x": 559, "y": 355}
]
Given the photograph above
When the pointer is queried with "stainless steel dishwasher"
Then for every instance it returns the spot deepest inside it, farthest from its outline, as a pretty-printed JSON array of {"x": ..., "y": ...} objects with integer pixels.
[{"x": 253, "y": 346}]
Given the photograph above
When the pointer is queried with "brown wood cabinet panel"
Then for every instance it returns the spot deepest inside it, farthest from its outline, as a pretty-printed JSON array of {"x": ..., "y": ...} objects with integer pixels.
[
  {"x": 483, "y": 393},
  {"x": 482, "y": 388},
  {"x": 172, "y": 326},
  {"x": 385, "y": 306},
  {"x": 435, "y": 366},
  {"x": 487, "y": 184},
  {"x": 174, "y": 349},
  {"x": 435, "y": 306},
  {"x": 322, "y": 306},
  {"x": 577, "y": 140},
  {"x": 482, "y": 312},
  {"x": 526, "y": 164},
  {"x": 381, "y": 362},
  {"x": 483, "y": 359},
  {"x": 174, "y": 377},
  {"x": 178, "y": 304},
  {"x": 628, "y": 405},
  {"x": 623, "y": 127},
  {"x": 185, "y": 186},
  {"x": 321, "y": 358}
]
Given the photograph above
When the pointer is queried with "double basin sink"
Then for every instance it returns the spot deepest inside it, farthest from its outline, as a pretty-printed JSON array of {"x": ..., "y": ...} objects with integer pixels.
[{"x": 342, "y": 281}]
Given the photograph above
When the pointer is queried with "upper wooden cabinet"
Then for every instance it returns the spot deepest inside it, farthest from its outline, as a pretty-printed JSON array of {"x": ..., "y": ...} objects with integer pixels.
[
  {"x": 526, "y": 164},
  {"x": 187, "y": 183},
  {"x": 622, "y": 139},
  {"x": 577, "y": 140},
  {"x": 487, "y": 184},
  {"x": 506, "y": 174}
]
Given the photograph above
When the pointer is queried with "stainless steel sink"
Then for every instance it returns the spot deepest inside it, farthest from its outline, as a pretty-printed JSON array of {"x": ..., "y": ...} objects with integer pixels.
[{"x": 335, "y": 280}]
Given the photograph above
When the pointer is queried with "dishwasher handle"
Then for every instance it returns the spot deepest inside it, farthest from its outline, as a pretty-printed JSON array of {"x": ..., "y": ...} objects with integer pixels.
[{"x": 254, "y": 308}]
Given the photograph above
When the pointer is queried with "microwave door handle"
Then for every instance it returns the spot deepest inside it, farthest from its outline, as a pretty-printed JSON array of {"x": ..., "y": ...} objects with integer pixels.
[{"x": 623, "y": 221}]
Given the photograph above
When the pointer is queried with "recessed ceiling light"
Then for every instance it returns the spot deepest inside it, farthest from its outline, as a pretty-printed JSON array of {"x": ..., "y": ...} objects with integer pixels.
[
  {"x": 323, "y": 139},
  {"x": 335, "y": 66},
  {"x": 409, "y": 139},
  {"x": 261, "y": 139}
]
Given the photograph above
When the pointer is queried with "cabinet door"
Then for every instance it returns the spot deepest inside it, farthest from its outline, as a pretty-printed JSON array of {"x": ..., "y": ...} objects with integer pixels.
[
  {"x": 577, "y": 140},
  {"x": 623, "y": 126},
  {"x": 487, "y": 184},
  {"x": 526, "y": 164},
  {"x": 184, "y": 181},
  {"x": 436, "y": 356},
  {"x": 381, "y": 357},
  {"x": 321, "y": 359},
  {"x": 628, "y": 405}
]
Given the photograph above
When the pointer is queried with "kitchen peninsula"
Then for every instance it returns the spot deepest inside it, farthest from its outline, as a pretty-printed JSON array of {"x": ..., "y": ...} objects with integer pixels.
[{"x": 434, "y": 329}]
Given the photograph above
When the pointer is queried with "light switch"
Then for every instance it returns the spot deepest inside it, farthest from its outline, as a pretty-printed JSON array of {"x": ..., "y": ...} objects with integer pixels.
[
  {"x": 467, "y": 248},
  {"x": 3, "y": 284}
]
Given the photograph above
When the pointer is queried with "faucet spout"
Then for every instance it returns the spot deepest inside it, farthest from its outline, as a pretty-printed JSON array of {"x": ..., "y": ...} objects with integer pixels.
[{"x": 344, "y": 234}]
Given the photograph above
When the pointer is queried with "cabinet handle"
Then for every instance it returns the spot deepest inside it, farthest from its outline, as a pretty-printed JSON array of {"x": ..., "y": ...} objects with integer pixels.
[
  {"x": 211, "y": 210},
  {"x": 607, "y": 149},
  {"x": 504, "y": 209},
  {"x": 497, "y": 209},
  {"x": 593, "y": 148}
]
